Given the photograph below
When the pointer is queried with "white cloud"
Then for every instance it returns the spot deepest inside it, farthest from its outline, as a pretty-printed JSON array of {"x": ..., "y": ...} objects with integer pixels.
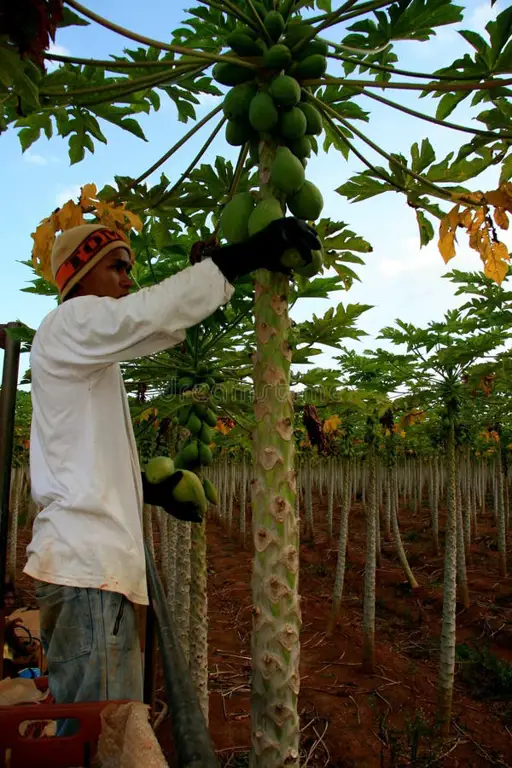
[
  {"x": 69, "y": 193},
  {"x": 34, "y": 159}
]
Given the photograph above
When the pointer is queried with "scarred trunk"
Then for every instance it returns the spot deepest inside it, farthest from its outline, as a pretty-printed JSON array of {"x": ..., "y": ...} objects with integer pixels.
[
  {"x": 448, "y": 628},
  {"x": 369, "y": 571},
  {"x": 198, "y": 630},
  {"x": 276, "y": 613},
  {"x": 396, "y": 532},
  {"x": 342, "y": 547}
]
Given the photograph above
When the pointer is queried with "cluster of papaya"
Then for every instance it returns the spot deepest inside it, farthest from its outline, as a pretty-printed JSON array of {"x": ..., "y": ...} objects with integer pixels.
[
  {"x": 270, "y": 104},
  {"x": 183, "y": 486},
  {"x": 199, "y": 419}
]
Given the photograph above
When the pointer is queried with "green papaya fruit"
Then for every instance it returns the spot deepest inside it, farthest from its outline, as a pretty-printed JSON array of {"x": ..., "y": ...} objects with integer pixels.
[
  {"x": 286, "y": 173},
  {"x": 186, "y": 382},
  {"x": 194, "y": 424},
  {"x": 307, "y": 203},
  {"x": 178, "y": 461},
  {"x": 190, "y": 452},
  {"x": 313, "y": 119},
  {"x": 210, "y": 381},
  {"x": 265, "y": 212},
  {"x": 234, "y": 219},
  {"x": 263, "y": 114},
  {"x": 205, "y": 434},
  {"x": 159, "y": 469},
  {"x": 277, "y": 57},
  {"x": 301, "y": 147},
  {"x": 260, "y": 8},
  {"x": 313, "y": 268},
  {"x": 285, "y": 91},
  {"x": 314, "y": 46},
  {"x": 210, "y": 491},
  {"x": 246, "y": 30},
  {"x": 286, "y": 7},
  {"x": 189, "y": 490},
  {"x": 297, "y": 31},
  {"x": 238, "y": 100},
  {"x": 293, "y": 124},
  {"x": 226, "y": 73},
  {"x": 274, "y": 24},
  {"x": 304, "y": 162},
  {"x": 210, "y": 418},
  {"x": 200, "y": 409},
  {"x": 243, "y": 44},
  {"x": 312, "y": 67},
  {"x": 238, "y": 132},
  {"x": 183, "y": 415},
  {"x": 205, "y": 455},
  {"x": 291, "y": 259}
]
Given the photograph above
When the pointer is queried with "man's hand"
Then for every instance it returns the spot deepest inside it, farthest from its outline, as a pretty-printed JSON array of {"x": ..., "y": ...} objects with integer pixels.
[
  {"x": 160, "y": 495},
  {"x": 265, "y": 249}
]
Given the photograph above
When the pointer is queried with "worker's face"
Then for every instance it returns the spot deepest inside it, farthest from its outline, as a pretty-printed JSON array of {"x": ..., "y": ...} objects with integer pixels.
[{"x": 109, "y": 277}]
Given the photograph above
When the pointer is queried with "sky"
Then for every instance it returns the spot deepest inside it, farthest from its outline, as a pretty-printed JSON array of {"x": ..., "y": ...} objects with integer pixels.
[{"x": 399, "y": 279}]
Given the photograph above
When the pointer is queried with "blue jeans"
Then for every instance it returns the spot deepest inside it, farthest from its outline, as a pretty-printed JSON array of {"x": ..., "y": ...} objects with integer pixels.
[{"x": 91, "y": 642}]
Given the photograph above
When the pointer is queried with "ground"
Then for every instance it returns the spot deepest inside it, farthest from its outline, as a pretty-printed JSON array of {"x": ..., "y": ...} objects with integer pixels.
[{"x": 349, "y": 719}]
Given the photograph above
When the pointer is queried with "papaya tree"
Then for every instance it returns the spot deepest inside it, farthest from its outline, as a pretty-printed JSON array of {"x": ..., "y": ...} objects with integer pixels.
[{"x": 282, "y": 100}]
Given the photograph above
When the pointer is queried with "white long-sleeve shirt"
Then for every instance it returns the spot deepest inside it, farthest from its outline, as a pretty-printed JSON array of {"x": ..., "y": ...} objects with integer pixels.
[{"x": 84, "y": 466}]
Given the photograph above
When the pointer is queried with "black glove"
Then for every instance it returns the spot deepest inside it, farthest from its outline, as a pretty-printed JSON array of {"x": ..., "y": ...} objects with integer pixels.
[
  {"x": 160, "y": 495},
  {"x": 264, "y": 249}
]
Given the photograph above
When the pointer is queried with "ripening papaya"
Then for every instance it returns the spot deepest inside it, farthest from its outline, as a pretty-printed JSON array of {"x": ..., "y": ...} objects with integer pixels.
[
  {"x": 285, "y": 91},
  {"x": 313, "y": 119},
  {"x": 293, "y": 124},
  {"x": 238, "y": 100},
  {"x": 277, "y": 57},
  {"x": 159, "y": 469},
  {"x": 312, "y": 67},
  {"x": 234, "y": 219},
  {"x": 265, "y": 212},
  {"x": 313, "y": 268},
  {"x": 238, "y": 132},
  {"x": 210, "y": 491},
  {"x": 189, "y": 490},
  {"x": 226, "y": 73},
  {"x": 287, "y": 172},
  {"x": 274, "y": 24},
  {"x": 263, "y": 114},
  {"x": 307, "y": 203},
  {"x": 194, "y": 424}
]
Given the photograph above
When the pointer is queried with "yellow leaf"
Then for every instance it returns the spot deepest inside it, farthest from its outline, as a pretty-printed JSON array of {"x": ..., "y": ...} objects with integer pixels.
[
  {"x": 88, "y": 196},
  {"x": 446, "y": 245},
  {"x": 478, "y": 220},
  {"x": 70, "y": 215},
  {"x": 501, "y": 218},
  {"x": 453, "y": 217},
  {"x": 402, "y": 434},
  {"x": 496, "y": 259},
  {"x": 466, "y": 218},
  {"x": 494, "y": 436},
  {"x": 331, "y": 424},
  {"x": 44, "y": 237}
]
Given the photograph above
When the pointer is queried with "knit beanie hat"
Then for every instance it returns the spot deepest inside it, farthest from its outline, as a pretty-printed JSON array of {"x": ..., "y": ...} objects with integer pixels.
[{"x": 77, "y": 250}]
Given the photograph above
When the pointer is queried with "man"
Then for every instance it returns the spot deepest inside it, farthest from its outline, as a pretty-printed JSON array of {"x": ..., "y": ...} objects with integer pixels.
[{"x": 87, "y": 552}]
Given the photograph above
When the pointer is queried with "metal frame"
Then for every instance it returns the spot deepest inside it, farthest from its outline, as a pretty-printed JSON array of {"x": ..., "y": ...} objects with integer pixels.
[{"x": 7, "y": 411}]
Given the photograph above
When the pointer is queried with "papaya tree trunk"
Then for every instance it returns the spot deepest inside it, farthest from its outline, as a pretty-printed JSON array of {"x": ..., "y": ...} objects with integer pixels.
[
  {"x": 461, "y": 554},
  {"x": 370, "y": 568},
  {"x": 275, "y": 643},
  {"x": 198, "y": 630},
  {"x": 330, "y": 496},
  {"x": 502, "y": 531},
  {"x": 342, "y": 547},
  {"x": 243, "y": 501},
  {"x": 308, "y": 500},
  {"x": 402, "y": 557},
  {"x": 172, "y": 545},
  {"x": 434, "y": 503},
  {"x": 387, "y": 508},
  {"x": 12, "y": 541},
  {"x": 182, "y": 591},
  {"x": 448, "y": 627}
]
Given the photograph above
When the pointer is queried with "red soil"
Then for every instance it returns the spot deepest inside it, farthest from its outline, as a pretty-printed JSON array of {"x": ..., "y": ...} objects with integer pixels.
[{"x": 348, "y": 718}]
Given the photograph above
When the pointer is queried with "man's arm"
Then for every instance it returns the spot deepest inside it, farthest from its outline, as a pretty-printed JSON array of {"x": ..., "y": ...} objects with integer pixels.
[{"x": 98, "y": 331}]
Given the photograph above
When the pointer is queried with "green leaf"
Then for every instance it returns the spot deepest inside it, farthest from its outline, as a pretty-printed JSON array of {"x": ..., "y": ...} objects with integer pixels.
[
  {"x": 70, "y": 18},
  {"x": 27, "y": 136},
  {"x": 362, "y": 187},
  {"x": 76, "y": 148},
  {"x": 425, "y": 227},
  {"x": 421, "y": 158},
  {"x": 506, "y": 169},
  {"x": 448, "y": 102}
]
